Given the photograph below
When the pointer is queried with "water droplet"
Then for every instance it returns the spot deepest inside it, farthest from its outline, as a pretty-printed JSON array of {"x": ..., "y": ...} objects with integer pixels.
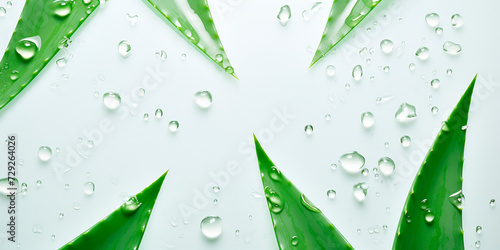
[
  {"x": 387, "y": 46},
  {"x": 405, "y": 141},
  {"x": 173, "y": 126},
  {"x": 363, "y": 51},
  {"x": 386, "y": 144},
  {"x": 24, "y": 188},
  {"x": 295, "y": 240},
  {"x": 44, "y": 153},
  {"x": 37, "y": 228},
  {"x": 158, "y": 113},
  {"x": 434, "y": 110},
  {"x": 183, "y": 56},
  {"x": 477, "y": 244},
  {"x": 111, "y": 100},
  {"x": 53, "y": 237},
  {"x": 360, "y": 190},
  {"x": 146, "y": 116},
  {"x": 492, "y": 202},
  {"x": 367, "y": 119},
  {"x": 330, "y": 70},
  {"x": 479, "y": 229},
  {"x": 411, "y": 66},
  {"x": 284, "y": 15},
  {"x": 331, "y": 193},
  {"x": 429, "y": 216},
  {"x": 358, "y": 231},
  {"x": 203, "y": 99},
  {"x": 131, "y": 19},
  {"x": 452, "y": 48},
  {"x": 383, "y": 99},
  {"x": 61, "y": 62},
  {"x": 439, "y": 31},
  {"x": 229, "y": 70},
  {"x": 309, "y": 129},
  {"x": 406, "y": 112},
  {"x": 333, "y": 166},
  {"x": 435, "y": 83},
  {"x": 275, "y": 173},
  {"x": 457, "y": 20},
  {"x": 308, "y": 204},
  {"x": 62, "y": 8},
  {"x": 211, "y": 227},
  {"x": 386, "y": 69},
  {"x": 328, "y": 117},
  {"x": 88, "y": 188},
  {"x": 162, "y": 55},
  {"x": 124, "y": 48},
  {"x": 237, "y": 232},
  {"x": 66, "y": 186},
  {"x": 130, "y": 206},
  {"x": 219, "y": 58},
  {"x": 449, "y": 72},
  {"x": 274, "y": 201},
  {"x": 38, "y": 183},
  {"x": 423, "y": 53},
  {"x": 27, "y": 48},
  {"x": 61, "y": 215},
  {"x": 365, "y": 172},
  {"x": 458, "y": 199},
  {"x": 5, "y": 184},
  {"x": 386, "y": 166},
  {"x": 352, "y": 162},
  {"x": 385, "y": 227},
  {"x": 141, "y": 92},
  {"x": 3, "y": 11},
  {"x": 216, "y": 189},
  {"x": 432, "y": 19},
  {"x": 357, "y": 72}
]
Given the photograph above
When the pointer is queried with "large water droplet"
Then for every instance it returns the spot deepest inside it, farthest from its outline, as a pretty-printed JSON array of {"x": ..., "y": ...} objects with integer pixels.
[
  {"x": 309, "y": 129},
  {"x": 284, "y": 15},
  {"x": 27, "y": 48},
  {"x": 405, "y": 141},
  {"x": 111, "y": 100},
  {"x": 331, "y": 193},
  {"x": 429, "y": 216},
  {"x": 457, "y": 20},
  {"x": 387, "y": 46},
  {"x": 308, "y": 204},
  {"x": 44, "y": 153},
  {"x": 5, "y": 184},
  {"x": 295, "y": 241},
  {"x": 274, "y": 201},
  {"x": 88, "y": 188},
  {"x": 124, "y": 48},
  {"x": 452, "y": 48},
  {"x": 406, "y": 112},
  {"x": 423, "y": 53},
  {"x": 62, "y": 8},
  {"x": 352, "y": 162},
  {"x": 367, "y": 119},
  {"x": 211, "y": 227},
  {"x": 432, "y": 19},
  {"x": 130, "y": 206},
  {"x": 386, "y": 166},
  {"x": 357, "y": 72},
  {"x": 360, "y": 190},
  {"x": 203, "y": 99},
  {"x": 330, "y": 70},
  {"x": 173, "y": 126},
  {"x": 458, "y": 199}
]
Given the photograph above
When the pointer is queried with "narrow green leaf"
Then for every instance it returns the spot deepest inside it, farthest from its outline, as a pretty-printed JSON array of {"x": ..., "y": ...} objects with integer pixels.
[
  {"x": 432, "y": 215},
  {"x": 344, "y": 16},
  {"x": 43, "y": 29},
  {"x": 192, "y": 19},
  {"x": 298, "y": 224},
  {"x": 124, "y": 227}
]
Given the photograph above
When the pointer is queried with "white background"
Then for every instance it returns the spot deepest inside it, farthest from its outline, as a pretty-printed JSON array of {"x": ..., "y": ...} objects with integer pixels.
[{"x": 271, "y": 62}]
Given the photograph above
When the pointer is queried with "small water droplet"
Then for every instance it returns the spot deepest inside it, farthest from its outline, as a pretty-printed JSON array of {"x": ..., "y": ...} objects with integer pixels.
[
  {"x": 328, "y": 117},
  {"x": 411, "y": 66},
  {"x": 219, "y": 58},
  {"x": 158, "y": 113},
  {"x": 387, "y": 46},
  {"x": 457, "y": 20},
  {"x": 124, "y": 48},
  {"x": 211, "y": 227},
  {"x": 367, "y": 119},
  {"x": 358, "y": 231},
  {"x": 435, "y": 83},
  {"x": 295, "y": 240},
  {"x": 386, "y": 69},
  {"x": 111, "y": 100},
  {"x": 274, "y": 201},
  {"x": 61, "y": 62},
  {"x": 492, "y": 202},
  {"x": 365, "y": 172},
  {"x": 216, "y": 189},
  {"x": 432, "y": 19},
  {"x": 449, "y": 72},
  {"x": 360, "y": 190},
  {"x": 308, "y": 204},
  {"x": 405, "y": 141},
  {"x": 477, "y": 244},
  {"x": 352, "y": 162},
  {"x": 141, "y": 92},
  {"x": 330, "y": 70},
  {"x": 386, "y": 166},
  {"x": 308, "y": 129},
  {"x": 130, "y": 206},
  {"x": 229, "y": 70},
  {"x": 423, "y": 53},
  {"x": 132, "y": 19},
  {"x": 275, "y": 173},
  {"x": 237, "y": 232},
  {"x": 386, "y": 144},
  {"x": 333, "y": 166},
  {"x": 203, "y": 99},
  {"x": 479, "y": 229},
  {"x": 331, "y": 194},
  {"x": 66, "y": 186},
  {"x": 383, "y": 99},
  {"x": 458, "y": 199},
  {"x": 38, "y": 183},
  {"x": 434, "y": 110},
  {"x": 61, "y": 215},
  {"x": 284, "y": 15},
  {"x": 37, "y": 228},
  {"x": 357, "y": 72},
  {"x": 146, "y": 116},
  {"x": 3, "y": 11},
  {"x": 439, "y": 31},
  {"x": 44, "y": 153},
  {"x": 452, "y": 48},
  {"x": 88, "y": 188},
  {"x": 429, "y": 216},
  {"x": 162, "y": 55},
  {"x": 62, "y": 8},
  {"x": 406, "y": 112},
  {"x": 173, "y": 126},
  {"x": 24, "y": 189}
]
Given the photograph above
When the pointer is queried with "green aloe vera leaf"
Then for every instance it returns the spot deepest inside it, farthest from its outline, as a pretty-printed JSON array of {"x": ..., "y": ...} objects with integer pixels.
[
  {"x": 124, "y": 227},
  {"x": 432, "y": 214},
  {"x": 192, "y": 19},
  {"x": 344, "y": 16},
  {"x": 42, "y": 30},
  {"x": 298, "y": 224}
]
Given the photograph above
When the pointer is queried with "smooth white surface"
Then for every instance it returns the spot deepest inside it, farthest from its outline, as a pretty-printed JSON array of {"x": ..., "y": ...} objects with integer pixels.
[{"x": 271, "y": 62}]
